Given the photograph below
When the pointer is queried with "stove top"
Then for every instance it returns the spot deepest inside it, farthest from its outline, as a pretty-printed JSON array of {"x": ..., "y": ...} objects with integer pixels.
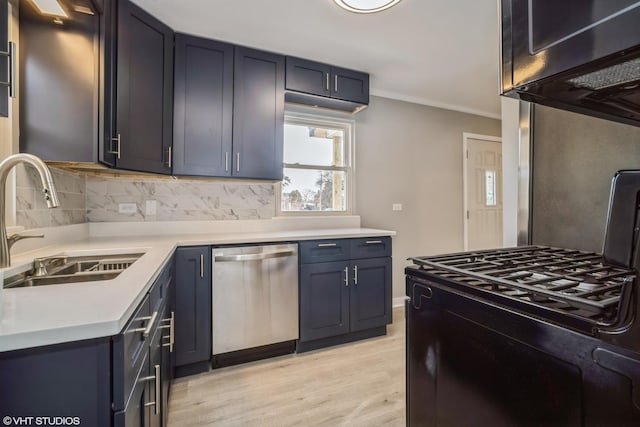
[{"x": 566, "y": 281}]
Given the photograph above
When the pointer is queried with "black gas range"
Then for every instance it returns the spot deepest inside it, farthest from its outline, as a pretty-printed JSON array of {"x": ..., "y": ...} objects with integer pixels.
[{"x": 529, "y": 336}]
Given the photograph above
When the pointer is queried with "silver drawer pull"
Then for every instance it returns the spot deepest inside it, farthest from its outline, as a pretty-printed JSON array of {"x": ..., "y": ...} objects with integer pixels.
[
  {"x": 373, "y": 242},
  {"x": 201, "y": 265},
  {"x": 355, "y": 275},
  {"x": 171, "y": 327},
  {"x": 157, "y": 379},
  {"x": 253, "y": 257},
  {"x": 146, "y": 330},
  {"x": 327, "y": 245}
]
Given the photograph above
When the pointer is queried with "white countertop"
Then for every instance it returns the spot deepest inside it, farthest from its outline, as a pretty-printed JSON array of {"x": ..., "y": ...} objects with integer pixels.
[{"x": 52, "y": 314}]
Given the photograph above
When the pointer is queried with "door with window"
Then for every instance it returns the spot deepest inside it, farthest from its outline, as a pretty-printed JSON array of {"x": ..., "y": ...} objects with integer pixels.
[{"x": 483, "y": 192}]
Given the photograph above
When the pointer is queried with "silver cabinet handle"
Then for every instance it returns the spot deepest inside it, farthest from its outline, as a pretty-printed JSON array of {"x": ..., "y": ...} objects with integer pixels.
[
  {"x": 335, "y": 83},
  {"x": 327, "y": 245},
  {"x": 171, "y": 327},
  {"x": 238, "y": 161},
  {"x": 253, "y": 257},
  {"x": 226, "y": 161},
  {"x": 355, "y": 275},
  {"x": 373, "y": 242},
  {"x": 201, "y": 265},
  {"x": 346, "y": 277},
  {"x": 327, "y": 82},
  {"x": 117, "y": 150},
  {"x": 156, "y": 378},
  {"x": 169, "y": 156},
  {"x": 11, "y": 81},
  {"x": 146, "y": 330},
  {"x": 158, "y": 388}
]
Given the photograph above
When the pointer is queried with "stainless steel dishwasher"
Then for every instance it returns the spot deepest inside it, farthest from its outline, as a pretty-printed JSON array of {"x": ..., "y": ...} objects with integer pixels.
[{"x": 255, "y": 302}]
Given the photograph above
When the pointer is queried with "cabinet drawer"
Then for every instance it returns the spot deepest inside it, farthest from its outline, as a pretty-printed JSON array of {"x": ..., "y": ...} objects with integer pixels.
[
  {"x": 313, "y": 251},
  {"x": 371, "y": 247},
  {"x": 135, "y": 410},
  {"x": 129, "y": 352},
  {"x": 160, "y": 289}
]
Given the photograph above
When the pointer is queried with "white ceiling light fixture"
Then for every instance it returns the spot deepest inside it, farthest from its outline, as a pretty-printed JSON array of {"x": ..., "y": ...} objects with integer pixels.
[
  {"x": 50, "y": 7},
  {"x": 366, "y": 6}
]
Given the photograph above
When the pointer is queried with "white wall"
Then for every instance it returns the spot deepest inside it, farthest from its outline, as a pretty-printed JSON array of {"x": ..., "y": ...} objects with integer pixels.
[{"x": 412, "y": 154}]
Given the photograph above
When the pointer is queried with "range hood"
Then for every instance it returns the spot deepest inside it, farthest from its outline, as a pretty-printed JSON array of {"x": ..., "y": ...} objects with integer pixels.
[{"x": 577, "y": 55}]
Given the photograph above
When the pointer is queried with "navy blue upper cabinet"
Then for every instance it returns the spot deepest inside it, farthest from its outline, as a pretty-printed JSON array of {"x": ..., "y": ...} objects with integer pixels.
[
  {"x": 258, "y": 114},
  {"x": 144, "y": 91},
  {"x": 308, "y": 76},
  {"x": 350, "y": 85},
  {"x": 4, "y": 45},
  {"x": 318, "y": 84},
  {"x": 203, "y": 107}
]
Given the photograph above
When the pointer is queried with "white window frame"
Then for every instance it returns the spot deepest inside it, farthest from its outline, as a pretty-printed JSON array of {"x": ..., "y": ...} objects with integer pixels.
[{"x": 349, "y": 128}]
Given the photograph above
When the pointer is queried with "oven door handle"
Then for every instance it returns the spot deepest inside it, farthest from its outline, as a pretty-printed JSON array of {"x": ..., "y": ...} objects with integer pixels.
[{"x": 622, "y": 365}]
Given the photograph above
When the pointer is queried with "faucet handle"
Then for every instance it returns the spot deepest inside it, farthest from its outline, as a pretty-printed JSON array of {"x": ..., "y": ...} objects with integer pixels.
[
  {"x": 15, "y": 237},
  {"x": 40, "y": 264}
]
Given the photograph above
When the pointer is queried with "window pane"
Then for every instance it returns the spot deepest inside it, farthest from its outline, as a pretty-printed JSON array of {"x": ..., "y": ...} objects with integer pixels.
[
  {"x": 490, "y": 187},
  {"x": 313, "y": 190},
  {"x": 315, "y": 146}
]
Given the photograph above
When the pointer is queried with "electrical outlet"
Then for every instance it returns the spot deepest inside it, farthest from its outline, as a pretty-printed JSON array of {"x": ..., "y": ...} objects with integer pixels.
[
  {"x": 396, "y": 207},
  {"x": 151, "y": 207},
  {"x": 127, "y": 208}
]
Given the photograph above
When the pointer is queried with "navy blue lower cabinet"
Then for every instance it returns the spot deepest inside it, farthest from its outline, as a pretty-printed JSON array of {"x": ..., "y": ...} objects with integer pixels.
[
  {"x": 347, "y": 299},
  {"x": 370, "y": 295},
  {"x": 64, "y": 380},
  {"x": 193, "y": 310},
  {"x": 324, "y": 300}
]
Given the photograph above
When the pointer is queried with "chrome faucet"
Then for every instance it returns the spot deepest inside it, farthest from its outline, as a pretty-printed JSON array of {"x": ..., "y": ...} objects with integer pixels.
[{"x": 48, "y": 188}]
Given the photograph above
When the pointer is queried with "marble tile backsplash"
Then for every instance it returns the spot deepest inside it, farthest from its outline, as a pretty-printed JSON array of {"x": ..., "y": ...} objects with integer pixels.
[
  {"x": 177, "y": 199},
  {"x": 31, "y": 208},
  {"x": 89, "y": 198}
]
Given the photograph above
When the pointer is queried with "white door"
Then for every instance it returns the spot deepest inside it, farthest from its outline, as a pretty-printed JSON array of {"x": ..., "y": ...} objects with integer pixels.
[{"x": 483, "y": 192}]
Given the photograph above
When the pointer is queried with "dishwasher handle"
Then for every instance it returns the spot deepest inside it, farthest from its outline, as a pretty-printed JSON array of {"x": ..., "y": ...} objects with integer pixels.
[{"x": 253, "y": 257}]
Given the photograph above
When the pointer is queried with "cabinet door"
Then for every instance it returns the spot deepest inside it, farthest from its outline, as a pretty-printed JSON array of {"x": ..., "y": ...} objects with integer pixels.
[
  {"x": 308, "y": 76},
  {"x": 144, "y": 90},
  {"x": 258, "y": 114},
  {"x": 350, "y": 85},
  {"x": 193, "y": 305},
  {"x": 370, "y": 294},
  {"x": 155, "y": 385},
  {"x": 203, "y": 107},
  {"x": 324, "y": 300},
  {"x": 4, "y": 45}
]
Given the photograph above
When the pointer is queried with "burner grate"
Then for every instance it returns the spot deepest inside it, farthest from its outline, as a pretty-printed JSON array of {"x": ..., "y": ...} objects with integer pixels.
[{"x": 564, "y": 279}]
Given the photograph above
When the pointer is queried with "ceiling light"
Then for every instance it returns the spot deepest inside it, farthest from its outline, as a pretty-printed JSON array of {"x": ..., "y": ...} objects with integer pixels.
[
  {"x": 366, "y": 6},
  {"x": 49, "y": 7}
]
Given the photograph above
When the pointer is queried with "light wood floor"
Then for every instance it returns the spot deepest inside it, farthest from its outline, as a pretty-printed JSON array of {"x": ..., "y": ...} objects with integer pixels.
[{"x": 358, "y": 384}]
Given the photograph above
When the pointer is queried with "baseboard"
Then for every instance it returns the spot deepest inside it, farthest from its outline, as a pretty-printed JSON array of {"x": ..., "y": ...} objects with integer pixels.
[{"x": 399, "y": 301}]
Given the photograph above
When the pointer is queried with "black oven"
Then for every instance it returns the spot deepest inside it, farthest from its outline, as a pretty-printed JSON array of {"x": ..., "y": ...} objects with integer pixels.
[
  {"x": 532, "y": 335},
  {"x": 579, "y": 55}
]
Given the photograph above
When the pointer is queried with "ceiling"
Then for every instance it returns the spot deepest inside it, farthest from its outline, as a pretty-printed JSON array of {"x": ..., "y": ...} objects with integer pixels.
[{"x": 435, "y": 52}]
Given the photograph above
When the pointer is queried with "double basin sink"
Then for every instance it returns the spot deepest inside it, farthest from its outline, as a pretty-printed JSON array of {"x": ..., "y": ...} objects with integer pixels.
[{"x": 72, "y": 269}]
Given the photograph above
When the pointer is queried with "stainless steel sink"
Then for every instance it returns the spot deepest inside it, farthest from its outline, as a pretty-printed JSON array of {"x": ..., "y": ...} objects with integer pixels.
[{"x": 72, "y": 269}]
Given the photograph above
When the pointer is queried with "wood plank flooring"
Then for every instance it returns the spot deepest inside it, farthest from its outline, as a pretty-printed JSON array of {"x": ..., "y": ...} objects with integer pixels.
[{"x": 357, "y": 384}]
